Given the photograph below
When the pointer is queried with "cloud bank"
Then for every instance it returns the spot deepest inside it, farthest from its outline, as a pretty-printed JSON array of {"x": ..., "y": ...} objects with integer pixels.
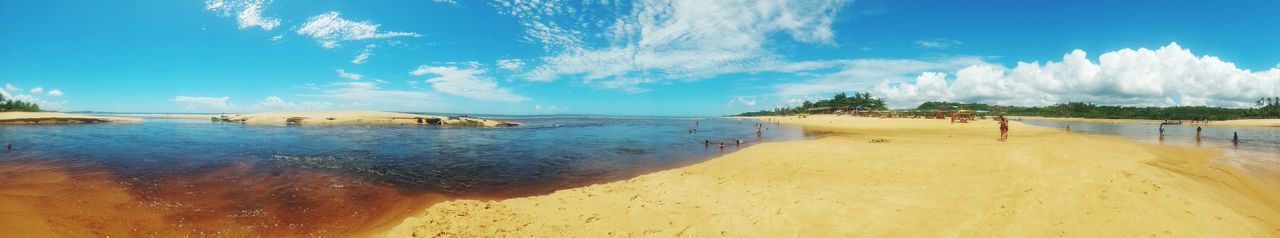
[{"x": 1168, "y": 76}]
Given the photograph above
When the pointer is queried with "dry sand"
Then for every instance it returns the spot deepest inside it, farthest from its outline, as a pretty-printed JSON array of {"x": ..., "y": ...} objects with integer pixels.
[
  {"x": 353, "y": 117},
  {"x": 57, "y": 118},
  {"x": 929, "y": 179}
]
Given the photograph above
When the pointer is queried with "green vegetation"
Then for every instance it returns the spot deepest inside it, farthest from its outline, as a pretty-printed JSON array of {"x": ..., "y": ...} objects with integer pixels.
[
  {"x": 841, "y": 101},
  {"x": 1267, "y": 108},
  {"x": 17, "y": 106}
]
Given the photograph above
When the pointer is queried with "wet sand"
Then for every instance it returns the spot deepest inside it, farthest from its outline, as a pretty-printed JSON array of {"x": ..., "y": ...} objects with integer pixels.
[{"x": 894, "y": 178}]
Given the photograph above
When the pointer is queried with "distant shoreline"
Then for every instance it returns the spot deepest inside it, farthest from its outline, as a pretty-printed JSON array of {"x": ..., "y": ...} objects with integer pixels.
[{"x": 262, "y": 118}]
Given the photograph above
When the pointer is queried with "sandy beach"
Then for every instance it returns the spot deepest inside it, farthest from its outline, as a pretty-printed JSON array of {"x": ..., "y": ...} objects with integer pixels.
[
  {"x": 57, "y": 118},
  {"x": 355, "y": 117},
  {"x": 1249, "y": 122},
  {"x": 895, "y": 178}
]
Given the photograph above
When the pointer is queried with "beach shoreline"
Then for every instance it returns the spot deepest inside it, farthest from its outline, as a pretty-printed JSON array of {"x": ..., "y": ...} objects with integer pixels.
[
  {"x": 21, "y": 118},
  {"x": 898, "y": 177}
]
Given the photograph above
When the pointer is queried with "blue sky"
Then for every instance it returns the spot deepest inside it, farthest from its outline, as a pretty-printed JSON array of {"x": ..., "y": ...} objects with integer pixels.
[{"x": 643, "y": 57}]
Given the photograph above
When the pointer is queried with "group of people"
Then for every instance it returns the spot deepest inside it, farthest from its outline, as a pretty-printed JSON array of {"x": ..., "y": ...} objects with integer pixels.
[{"x": 1235, "y": 135}]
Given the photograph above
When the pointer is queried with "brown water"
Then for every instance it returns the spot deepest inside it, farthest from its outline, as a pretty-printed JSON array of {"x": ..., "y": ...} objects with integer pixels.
[
  {"x": 182, "y": 178},
  {"x": 43, "y": 199}
]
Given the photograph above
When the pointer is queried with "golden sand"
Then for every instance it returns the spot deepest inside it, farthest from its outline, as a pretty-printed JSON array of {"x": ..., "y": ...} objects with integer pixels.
[
  {"x": 925, "y": 178},
  {"x": 353, "y": 117},
  {"x": 56, "y": 118}
]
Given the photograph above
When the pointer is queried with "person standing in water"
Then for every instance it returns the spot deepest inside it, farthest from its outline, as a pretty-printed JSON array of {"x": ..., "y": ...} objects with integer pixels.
[{"x": 1235, "y": 138}]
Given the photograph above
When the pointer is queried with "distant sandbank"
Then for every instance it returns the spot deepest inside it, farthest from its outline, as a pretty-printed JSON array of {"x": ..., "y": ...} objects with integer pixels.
[
  {"x": 261, "y": 118},
  {"x": 355, "y": 117},
  {"x": 896, "y": 178},
  {"x": 11, "y": 118}
]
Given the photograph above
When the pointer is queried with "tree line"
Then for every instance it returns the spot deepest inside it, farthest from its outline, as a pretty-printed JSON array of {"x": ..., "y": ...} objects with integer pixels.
[
  {"x": 1265, "y": 108},
  {"x": 9, "y": 105},
  {"x": 840, "y": 101}
]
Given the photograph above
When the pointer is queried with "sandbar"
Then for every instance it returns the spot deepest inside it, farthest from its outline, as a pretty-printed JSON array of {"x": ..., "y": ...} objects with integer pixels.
[{"x": 898, "y": 178}]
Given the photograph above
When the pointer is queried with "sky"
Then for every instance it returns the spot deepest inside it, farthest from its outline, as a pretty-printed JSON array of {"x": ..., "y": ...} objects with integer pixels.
[{"x": 641, "y": 57}]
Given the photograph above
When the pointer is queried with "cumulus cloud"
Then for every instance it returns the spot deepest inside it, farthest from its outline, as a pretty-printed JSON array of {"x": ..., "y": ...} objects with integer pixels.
[
  {"x": 203, "y": 102},
  {"x": 55, "y": 93},
  {"x": 37, "y": 90},
  {"x": 330, "y": 28},
  {"x": 1168, "y": 76},
  {"x": 861, "y": 74},
  {"x": 510, "y": 64},
  {"x": 248, "y": 13},
  {"x": 364, "y": 54},
  {"x": 467, "y": 81},
  {"x": 938, "y": 43},
  {"x": 352, "y": 76},
  {"x": 657, "y": 40}
]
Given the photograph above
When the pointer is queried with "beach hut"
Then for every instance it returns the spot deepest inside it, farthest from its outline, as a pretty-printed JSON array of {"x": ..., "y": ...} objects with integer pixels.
[{"x": 821, "y": 110}]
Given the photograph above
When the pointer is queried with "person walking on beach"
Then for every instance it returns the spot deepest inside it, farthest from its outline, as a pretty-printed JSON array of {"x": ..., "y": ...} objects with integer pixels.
[
  {"x": 1004, "y": 129},
  {"x": 1235, "y": 138}
]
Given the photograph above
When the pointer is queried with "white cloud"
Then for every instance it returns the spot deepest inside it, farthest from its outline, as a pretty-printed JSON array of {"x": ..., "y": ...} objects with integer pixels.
[
  {"x": 364, "y": 54},
  {"x": 861, "y": 74},
  {"x": 659, "y": 40},
  {"x": 1168, "y": 76},
  {"x": 938, "y": 43},
  {"x": 450, "y": 2},
  {"x": 248, "y": 13},
  {"x": 55, "y": 93},
  {"x": 539, "y": 109},
  {"x": 370, "y": 93},
  {"x": 274, "y": 103},
  {"x": 277, "y": 38},
  {"x": 352, "y": 76},
  {"x": 10, "y": 87},
  {"x": 510, "y": 64},
  {"x": 329, "y": 28},
  {"x": 745, "y": 101},
  {"x": 468, "y": 82},
  {"x": 203, "y": 102},
  {"x": 37, "y": 90}
]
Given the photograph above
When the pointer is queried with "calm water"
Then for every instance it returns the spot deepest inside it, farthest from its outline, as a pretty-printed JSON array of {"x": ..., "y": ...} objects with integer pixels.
[
  {"x": 283, "y": 175},
  {"x": 1259, "y": 146}
]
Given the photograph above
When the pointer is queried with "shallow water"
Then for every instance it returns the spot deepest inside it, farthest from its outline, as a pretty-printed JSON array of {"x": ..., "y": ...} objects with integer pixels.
[
  {"x": 203, "y": 177},
  {"x": 1258, "y": 150}
]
